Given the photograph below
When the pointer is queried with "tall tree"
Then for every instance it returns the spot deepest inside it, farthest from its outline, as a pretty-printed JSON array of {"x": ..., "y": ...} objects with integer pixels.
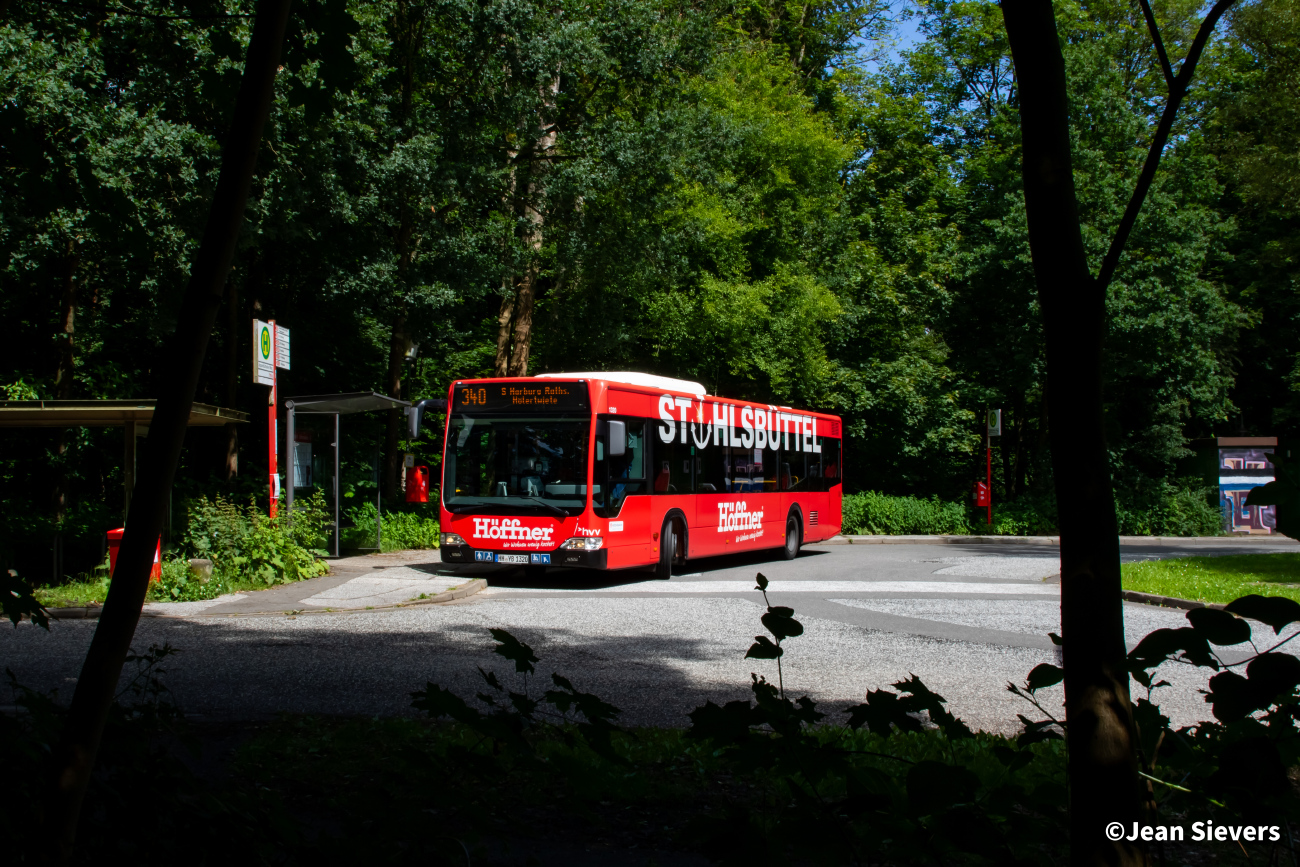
[
  {"x": 1103, "y": 764},
  {"x": 74, "y": 757}
]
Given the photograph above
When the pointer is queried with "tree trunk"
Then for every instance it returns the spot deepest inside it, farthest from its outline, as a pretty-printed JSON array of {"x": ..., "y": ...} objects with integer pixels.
[
  {"x": 230, "y": 462},
  {"x": 74, "y": 757},
  {"x": 502, "y": 365},
  {"x": 1103, "y": 770},
  {"x": 518, "y": 324}
]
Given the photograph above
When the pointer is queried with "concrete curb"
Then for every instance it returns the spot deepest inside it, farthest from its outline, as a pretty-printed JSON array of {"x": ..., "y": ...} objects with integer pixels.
[
  {"x": 1043, "y": 540},
  {"x": 91, "y": 612},
  {"x": 1166, "y": 601}
]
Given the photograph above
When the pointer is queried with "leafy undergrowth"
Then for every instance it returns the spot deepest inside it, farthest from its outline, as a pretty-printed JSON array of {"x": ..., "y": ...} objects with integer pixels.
[
  {"x": 1216, "y": 579},
  {"x": 537, "y": 772}
]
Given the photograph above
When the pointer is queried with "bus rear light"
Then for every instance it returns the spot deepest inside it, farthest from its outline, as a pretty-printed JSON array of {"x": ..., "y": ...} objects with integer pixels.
[
  {"x": 584, "y": 543},
  {"x": 452, "y": 539}
]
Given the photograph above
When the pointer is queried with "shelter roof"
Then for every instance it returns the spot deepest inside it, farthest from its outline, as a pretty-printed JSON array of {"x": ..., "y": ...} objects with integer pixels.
[
  {"x": 358, "y": 401},
  {"x": 103, "y": 413}
]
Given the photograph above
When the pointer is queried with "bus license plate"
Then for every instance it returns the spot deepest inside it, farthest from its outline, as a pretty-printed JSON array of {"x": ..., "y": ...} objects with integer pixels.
[{"x": 512, "y": 558}]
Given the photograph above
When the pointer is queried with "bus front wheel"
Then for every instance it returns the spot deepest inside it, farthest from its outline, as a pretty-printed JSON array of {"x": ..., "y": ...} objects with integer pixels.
[
  {"x": 667, "y": 551},
  {"x": 792, "y": 534}
]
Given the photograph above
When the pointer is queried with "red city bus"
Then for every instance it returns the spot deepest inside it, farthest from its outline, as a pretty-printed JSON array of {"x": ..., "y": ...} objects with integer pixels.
[{"x": 628, "y": 470}]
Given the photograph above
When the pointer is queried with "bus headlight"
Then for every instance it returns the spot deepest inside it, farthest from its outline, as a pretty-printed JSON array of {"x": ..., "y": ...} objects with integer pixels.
[
  {"x": 583, "y": 543},
  {"x": 453, "y": 539}
]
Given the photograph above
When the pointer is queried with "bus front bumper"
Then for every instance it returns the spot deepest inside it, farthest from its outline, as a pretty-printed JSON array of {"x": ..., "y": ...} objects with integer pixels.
[{"x": 559, "y": 557}]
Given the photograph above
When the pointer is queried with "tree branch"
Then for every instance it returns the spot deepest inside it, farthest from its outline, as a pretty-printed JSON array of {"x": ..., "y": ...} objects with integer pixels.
[
  {"x": 1159, "y": 44},
  {"x": 1176, "y": 94}
]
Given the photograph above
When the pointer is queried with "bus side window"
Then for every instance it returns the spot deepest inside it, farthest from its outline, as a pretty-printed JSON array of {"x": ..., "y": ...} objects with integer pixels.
[
  {"x": 712, "y": 475},
  {"x": 626, "y": 471}
]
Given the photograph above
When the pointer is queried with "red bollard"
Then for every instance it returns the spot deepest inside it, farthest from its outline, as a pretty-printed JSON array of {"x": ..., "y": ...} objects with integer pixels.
[
  {"x": 115, "y": 541},
  {"x": 417, "y": 485}
]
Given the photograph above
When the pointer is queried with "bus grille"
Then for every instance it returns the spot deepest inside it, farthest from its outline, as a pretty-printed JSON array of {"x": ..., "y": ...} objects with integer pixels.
[{"x": 812, "y": 518}]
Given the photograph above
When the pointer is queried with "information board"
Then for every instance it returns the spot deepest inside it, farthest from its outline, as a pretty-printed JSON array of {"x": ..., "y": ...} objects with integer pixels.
[
  {"x": 282, "y": 347},
  {"x": 263, "y": 353},
  {"x": 546, "y": 396}
]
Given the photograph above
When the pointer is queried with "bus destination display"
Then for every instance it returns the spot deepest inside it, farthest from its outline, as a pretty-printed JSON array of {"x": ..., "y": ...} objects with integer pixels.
[{"x": 520, "y": 396}]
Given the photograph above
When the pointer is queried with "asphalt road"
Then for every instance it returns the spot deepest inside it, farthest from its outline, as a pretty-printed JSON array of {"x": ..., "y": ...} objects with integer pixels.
[{"x": 965, "y": 618}]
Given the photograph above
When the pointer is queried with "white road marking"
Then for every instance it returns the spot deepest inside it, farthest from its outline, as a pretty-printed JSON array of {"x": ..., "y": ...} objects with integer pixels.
[{"x": 777, "y": 587}]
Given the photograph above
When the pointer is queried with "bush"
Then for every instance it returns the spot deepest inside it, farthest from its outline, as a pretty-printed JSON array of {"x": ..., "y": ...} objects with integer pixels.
[
  {"x": 247, "y": 549},
  {"x": 1169, "y": 509},
  {"x": 873, "y": 514},
  {"x": 401, "y": 531},
  {"x": 1027, "y": 515},
  {"x": 1181, "y": 508}
]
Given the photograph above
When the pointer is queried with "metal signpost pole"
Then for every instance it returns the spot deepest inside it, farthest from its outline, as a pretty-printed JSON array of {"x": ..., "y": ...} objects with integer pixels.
[
  {"x": 988, "y": 473},
  {"x": 992, "y": 428},
  {"x": 272, "y": 439}
]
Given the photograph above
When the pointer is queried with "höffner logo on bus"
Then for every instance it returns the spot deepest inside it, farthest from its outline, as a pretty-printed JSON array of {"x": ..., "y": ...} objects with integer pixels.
[
  {"x": 737, "y": 517},
  {"x": 510, "y": 530},
  {"x": 760, "y": 427}
]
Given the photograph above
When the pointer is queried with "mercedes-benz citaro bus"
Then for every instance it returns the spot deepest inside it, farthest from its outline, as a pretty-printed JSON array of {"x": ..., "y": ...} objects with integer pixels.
[{"x": 629, "y": 470}]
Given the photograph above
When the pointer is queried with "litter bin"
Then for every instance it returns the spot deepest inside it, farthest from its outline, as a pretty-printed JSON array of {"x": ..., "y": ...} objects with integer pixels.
[
  {"x": 115, "y": 540},
  {"x": 417, "y": 485}
]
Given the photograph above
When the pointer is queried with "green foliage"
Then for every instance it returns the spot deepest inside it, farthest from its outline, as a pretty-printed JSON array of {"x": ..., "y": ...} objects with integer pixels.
[
  {"x": 874, "y": 514},
  {"x": 1167, "y": 509},
  {"x": 730, "y": 196},
  {"x": 400, "y": 530},
  {"x": 17, "y": 601},
  {"x": 246, "y": 548},
  {"x": 1159, "y": 509}
]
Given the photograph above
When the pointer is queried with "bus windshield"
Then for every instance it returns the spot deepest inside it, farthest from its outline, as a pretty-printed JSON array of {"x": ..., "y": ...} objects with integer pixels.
[{"x": 534, "y": 464}]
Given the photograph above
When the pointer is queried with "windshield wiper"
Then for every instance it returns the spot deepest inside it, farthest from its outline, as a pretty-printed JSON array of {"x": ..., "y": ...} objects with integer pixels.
[{"x": 554, "y": 510}]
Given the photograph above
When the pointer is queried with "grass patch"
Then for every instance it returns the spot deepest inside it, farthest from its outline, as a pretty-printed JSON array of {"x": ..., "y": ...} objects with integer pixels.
[
  {"x": 73, "y": 594},
  {"x": 95, "y": 590},
  {"x": 1216, "y": 579}
]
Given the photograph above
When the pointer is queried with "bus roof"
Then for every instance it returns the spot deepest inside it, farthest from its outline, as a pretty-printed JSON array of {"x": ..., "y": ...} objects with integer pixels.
[{"x": 628, "y": 377}]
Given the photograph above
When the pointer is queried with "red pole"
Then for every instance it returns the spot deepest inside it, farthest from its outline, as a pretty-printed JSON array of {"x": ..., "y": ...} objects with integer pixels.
[
  {"x": 988, "y": 477},
  {"x": 271, "y": 426}
]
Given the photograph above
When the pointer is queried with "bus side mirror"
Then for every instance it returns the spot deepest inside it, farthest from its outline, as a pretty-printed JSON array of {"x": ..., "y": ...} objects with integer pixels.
[
  {"x": 415, "y": 415},
  {"x": 617, "y": 438}
]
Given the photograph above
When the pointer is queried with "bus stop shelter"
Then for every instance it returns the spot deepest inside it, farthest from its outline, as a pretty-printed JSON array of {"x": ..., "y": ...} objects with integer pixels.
[
  {"x": 131, "y": 415},
  {"x": 328, "y": 405}
]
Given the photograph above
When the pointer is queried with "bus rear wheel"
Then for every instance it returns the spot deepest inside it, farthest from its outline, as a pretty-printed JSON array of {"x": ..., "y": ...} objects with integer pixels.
[
  {"x": 667, "y": 550},
  {"x": 792, "y": 534}
]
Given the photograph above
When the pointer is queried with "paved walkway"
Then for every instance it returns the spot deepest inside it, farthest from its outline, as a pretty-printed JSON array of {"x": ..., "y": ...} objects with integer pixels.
[{"x": 369, "y": 581}]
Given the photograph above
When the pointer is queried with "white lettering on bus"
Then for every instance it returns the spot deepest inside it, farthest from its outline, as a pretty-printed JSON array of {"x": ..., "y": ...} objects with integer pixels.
[
  {"x": 720, "y": 431},
  {"x": 684, "y": 404},
  {"x": 747, "y": 422},
  {"x": 666, "y": 429},
  {"x": 734, "y": 517},
  {"x": 759, "y": 427},
  {"x": 511, "y": 529}
]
